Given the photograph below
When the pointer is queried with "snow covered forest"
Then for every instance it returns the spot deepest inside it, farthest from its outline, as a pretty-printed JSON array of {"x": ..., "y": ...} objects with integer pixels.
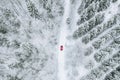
[{"x": 32, "y": 31}]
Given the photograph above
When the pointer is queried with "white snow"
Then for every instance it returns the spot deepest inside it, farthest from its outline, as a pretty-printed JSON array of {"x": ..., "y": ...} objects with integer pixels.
[{"x": 62, "y": 41}]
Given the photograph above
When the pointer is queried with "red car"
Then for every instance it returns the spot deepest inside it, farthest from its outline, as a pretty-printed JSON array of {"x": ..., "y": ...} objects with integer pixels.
[{"x": 61, "y": 47}]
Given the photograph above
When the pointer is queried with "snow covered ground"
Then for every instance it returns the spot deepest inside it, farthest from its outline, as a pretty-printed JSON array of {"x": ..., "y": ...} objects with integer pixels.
[{"x": 62, "y": 41}]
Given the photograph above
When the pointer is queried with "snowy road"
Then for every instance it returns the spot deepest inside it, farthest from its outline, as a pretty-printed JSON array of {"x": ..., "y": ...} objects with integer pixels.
[{"x": 62, "y": 41}]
